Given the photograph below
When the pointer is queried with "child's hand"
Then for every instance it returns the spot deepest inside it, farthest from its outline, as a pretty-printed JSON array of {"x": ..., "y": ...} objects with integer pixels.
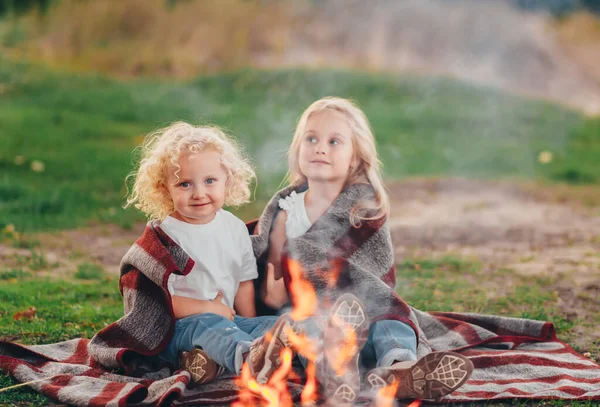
[
  {"x": 217, "y": 307},
  {"x": 274, "y": 293}
]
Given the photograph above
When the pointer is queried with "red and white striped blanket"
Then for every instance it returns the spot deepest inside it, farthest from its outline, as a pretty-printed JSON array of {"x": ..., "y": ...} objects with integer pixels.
[
  {"x": 514, "y": 358},
  {"x": 530, "y": 370}
]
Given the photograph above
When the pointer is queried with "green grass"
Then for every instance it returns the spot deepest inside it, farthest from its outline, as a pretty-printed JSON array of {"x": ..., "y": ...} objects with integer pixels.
[
  {"x": 67, "y": 309},
  {"x": 10, "y": 274},
  {"x": 457, "y": 285},
  {"x": 84, "y": 127},
  {"x": 88, "y": 271},
  {"x": 460, "y": 285}
]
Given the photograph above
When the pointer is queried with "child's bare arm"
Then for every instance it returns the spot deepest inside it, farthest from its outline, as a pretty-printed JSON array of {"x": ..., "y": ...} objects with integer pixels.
[
  {"x": 274, "y": 293},
  {"x": 184, "y": 307},
  {"x": 276, "y": 241},
  {"x": 244, "y": 300}
]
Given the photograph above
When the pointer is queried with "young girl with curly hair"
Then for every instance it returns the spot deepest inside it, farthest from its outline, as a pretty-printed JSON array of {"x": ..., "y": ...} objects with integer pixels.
[{"x": 185, "y": 177}]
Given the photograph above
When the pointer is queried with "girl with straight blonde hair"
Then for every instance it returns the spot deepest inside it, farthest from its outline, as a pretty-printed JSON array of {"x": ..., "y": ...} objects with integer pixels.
[{"x": 331, "y": 222}]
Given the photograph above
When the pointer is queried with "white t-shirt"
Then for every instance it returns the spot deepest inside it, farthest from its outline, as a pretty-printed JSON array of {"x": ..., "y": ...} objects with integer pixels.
[
  {"x": 297, "y": 222},
  {"x": 223, "y": 256}
]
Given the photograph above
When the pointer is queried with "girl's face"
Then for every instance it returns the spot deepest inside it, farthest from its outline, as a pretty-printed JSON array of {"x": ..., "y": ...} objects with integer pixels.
[
  {"x": 326, "y": 152},
  {"x": 198, "y": 190}
]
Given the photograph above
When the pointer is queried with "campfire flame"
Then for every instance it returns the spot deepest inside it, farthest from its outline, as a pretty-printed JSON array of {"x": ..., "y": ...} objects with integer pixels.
[
  {"x": 275, "y": 392},
  {"x": 341, "y": 355},
  {"x": 246, "y": 397},
  {"x": 333, "y": 273},
  {"x": 302, "y": 293},
  {"x": 387, "y": 395},
  {"x": 304, "y": 345},
  {"x": 309, "y": 394},
  {"x": 307, "y": 348}
]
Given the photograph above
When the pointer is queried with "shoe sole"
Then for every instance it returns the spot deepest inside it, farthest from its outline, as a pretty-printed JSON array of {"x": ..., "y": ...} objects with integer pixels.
[
  {"x": 201, "y": 367},
  {"x": 349, "y": 310},
  {"x": 431, "y": 378}
]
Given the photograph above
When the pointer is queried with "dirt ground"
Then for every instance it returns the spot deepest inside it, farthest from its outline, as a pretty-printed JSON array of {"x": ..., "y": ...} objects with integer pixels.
[
  {"x": 532, "y": 231},
  {"x": 551, "y": 231}
]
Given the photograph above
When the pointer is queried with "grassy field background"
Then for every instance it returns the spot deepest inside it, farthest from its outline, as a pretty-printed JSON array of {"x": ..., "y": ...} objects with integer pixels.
[
  {"x": 78, "y": 132},
  {"x": 66, "y": 144}
]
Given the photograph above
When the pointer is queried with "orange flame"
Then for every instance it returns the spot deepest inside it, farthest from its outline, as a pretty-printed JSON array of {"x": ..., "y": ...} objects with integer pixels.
[
  {"x": 278, "y": 380},
  {"x": 246, "y": 398},
  {"x": 309, "y": 394},
  {"x": 268, "y": 394},
  {"x": 281, "y": 374},
  {"x": 341, "y": 355},
  {"x": 304, "y": 345},
  {"x": 273, "y": 394},
  {"x": 415, "y": 403},
  {"x": 386, "y": 395},
  {"x": 333, "y": 274},
  {"x": 303, "y": 295}
]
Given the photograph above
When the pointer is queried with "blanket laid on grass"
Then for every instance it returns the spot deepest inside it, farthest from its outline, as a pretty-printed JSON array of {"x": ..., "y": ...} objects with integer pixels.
[{"x": 514, "y": 358}]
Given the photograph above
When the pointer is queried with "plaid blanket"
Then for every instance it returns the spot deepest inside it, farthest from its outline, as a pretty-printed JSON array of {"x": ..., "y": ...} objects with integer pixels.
[
  {"x": 362, "y": 257},
  {"x": 514, "y": 358},
  {"x": 118, "y": 365}
]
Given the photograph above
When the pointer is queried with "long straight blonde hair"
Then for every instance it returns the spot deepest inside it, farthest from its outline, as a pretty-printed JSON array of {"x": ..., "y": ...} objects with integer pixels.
[{"x": 368, "y": 169}]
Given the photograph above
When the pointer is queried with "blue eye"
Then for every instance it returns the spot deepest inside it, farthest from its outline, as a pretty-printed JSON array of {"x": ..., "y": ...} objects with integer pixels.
[
  {"x": 311, "y": 139},
  {"x": 334, "y": 141},
  {"x": 185, "y": 184},
  {"x": 210, "y": 181}
]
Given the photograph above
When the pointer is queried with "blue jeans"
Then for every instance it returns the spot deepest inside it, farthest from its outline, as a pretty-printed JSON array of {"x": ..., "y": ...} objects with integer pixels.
[
  {"x": 223, "y": 340},
  {"x": 389, "y": 341}
]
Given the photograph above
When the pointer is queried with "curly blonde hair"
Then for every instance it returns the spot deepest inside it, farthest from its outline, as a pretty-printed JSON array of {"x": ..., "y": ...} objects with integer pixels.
[
  {"x": 164, "y": 147},
  {"x": 369, "y": 166}
]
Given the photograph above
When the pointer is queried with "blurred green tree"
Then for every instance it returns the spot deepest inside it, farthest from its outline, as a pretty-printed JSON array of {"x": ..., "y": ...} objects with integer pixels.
[
  {"x": 556, "y": 7},
  {"x": 593, "y": 5},
  {"x": 21, "y": 6}
]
